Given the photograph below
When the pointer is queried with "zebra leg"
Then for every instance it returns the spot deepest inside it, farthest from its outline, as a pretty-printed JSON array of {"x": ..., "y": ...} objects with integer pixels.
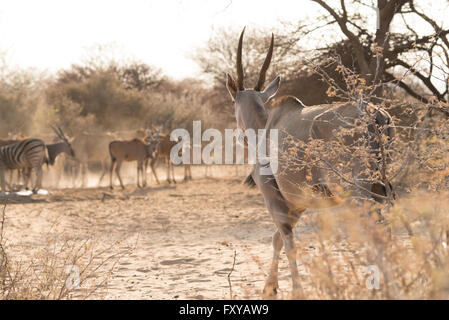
[
  {"x": 9, "y": 184},
  {"x": 26, "y": 173},
  {"x": 11, "y": 177},
  {"x": 2, "y": 179},
  {"x": 38, "y": 178},
  {"x": 39, "y": 185},
  {"x": 20, "y": 176}
]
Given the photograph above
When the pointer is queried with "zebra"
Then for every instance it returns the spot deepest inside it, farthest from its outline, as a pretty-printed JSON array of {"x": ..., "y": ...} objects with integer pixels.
[
  {"x": 55, "y": 149},
  {"x": 26, "y": 154}
]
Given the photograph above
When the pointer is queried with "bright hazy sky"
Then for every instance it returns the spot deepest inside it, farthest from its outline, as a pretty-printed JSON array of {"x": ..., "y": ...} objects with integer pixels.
[{"x": 50, "y": 34}]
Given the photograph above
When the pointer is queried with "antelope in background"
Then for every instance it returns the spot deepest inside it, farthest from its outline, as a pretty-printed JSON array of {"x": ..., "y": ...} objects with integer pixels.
[
  {"x": 132, "y": 150},
  {"x": 55, "y": 149},
  {"x": 163, "y": 153},
  {"x": 285, "y": 191},
  {"x": 243, "y": 164},
  {"x": 90, "y": 147}
]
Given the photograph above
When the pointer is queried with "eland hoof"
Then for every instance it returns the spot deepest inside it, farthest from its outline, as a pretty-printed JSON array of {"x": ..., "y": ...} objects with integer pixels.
[{"x": 270, "y": 291}]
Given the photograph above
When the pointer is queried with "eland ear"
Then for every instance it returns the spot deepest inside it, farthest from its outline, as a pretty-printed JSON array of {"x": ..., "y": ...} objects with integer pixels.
[
  {"x": 231, "y": 86},
  {"x": 271, "y": 89}
]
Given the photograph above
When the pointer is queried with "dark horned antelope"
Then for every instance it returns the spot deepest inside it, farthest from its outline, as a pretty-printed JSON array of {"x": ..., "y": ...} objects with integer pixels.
[
  {"x": 56, "y": 149},
  {"x": 132, "y": 150},
  {"x": 286, "y": 190}
]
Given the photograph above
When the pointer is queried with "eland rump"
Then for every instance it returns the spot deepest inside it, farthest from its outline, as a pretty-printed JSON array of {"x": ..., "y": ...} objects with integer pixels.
[{"x": 290, "y": 190}]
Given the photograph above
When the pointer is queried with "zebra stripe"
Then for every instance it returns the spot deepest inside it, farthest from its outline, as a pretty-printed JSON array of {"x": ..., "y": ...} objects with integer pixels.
[{"x": 27, "y": 153}]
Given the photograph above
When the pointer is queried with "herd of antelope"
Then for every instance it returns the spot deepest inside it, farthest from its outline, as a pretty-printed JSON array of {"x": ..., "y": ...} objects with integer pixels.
[{"x": 25, "y": 155}]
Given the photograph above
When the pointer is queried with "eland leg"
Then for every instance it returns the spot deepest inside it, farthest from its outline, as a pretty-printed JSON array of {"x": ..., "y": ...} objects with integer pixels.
[
  {"x": 271, "y": 284},
  {"x": 168, "y": 172},
  {"x": 104, "y": 169},
  {"x": 138, "y": 173},
  {"x": 111, "y": 173},
  {"x": 286, "y": 232},
  {"x": 187, "y": 172},
  {"x": 284, "y": 220},
  {"x": 117, "y": 171},
  {"x": 153, "y": 170},
  {"x": 172, "y": 171},
  {"x": 145, "y": 173}
]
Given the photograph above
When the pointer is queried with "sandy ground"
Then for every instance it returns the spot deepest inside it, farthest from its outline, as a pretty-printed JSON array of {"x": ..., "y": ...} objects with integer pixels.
[
  {"x": 180, "y": 240},
  {"x": 185, "y": 235}
]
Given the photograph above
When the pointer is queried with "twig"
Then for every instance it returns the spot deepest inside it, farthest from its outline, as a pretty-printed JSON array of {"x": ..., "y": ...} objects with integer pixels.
[
  {"x": 2, "y": 222},
  {"x": 229, "y": 276}
]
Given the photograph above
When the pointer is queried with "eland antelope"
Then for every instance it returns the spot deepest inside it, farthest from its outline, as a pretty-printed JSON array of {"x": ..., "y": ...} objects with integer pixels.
[
  {"x": 132, "y": 150},
  {"x": 90, "y": 147},
  {"x": 163, "y": 153},
  {"x": 285, "y": 190}
]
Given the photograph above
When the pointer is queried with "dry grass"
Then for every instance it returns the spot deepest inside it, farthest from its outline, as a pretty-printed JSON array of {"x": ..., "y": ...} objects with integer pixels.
[
  {"x": 335, "y": 247},
  {"x": 60, "y": 269},
  {"x": 349, "y": 247}
]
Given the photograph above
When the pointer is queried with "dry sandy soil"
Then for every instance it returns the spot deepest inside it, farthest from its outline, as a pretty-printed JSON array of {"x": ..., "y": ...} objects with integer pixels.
[
  {"x": 183, "y": 236},
  {"x": 180, "y": 241}
]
